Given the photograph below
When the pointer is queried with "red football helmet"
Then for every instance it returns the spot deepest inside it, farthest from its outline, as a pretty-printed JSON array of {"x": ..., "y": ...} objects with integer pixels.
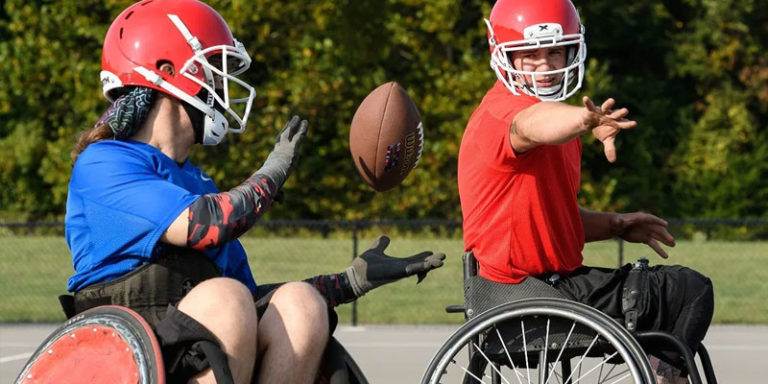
[
  {"x": 516, "y": 25},
  {"x": 197, "y": 41}
]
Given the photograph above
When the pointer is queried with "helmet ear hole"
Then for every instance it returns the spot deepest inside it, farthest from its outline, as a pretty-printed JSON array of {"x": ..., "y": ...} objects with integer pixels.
[{"x": 166, "y": 66}]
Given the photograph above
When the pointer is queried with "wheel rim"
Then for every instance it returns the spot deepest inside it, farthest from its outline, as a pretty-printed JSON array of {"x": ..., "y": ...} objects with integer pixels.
[
  {"x": 110, "y": 335},
  {"x": 592, "y": 345}
]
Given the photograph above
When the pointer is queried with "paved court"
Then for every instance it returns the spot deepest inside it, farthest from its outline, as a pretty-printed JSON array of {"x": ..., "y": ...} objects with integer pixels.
[{"x": 399, "y": 354}]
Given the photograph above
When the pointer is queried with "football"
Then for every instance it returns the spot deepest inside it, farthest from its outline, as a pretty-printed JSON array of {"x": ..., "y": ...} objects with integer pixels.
[{"x": 386, "y": 136}]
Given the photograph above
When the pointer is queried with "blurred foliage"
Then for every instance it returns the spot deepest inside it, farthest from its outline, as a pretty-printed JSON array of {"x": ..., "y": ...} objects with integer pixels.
[{"x": 693, "y": 73}]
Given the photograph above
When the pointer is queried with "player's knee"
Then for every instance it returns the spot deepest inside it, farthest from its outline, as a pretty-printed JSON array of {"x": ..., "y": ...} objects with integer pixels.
[
  {"x": 697, "y": 286},
  {"x": 305, "y": 298},
  {"x": 222, "y": 291},
  {"x": 300, "y": 300},
  {"x": 697, "y": 306},
  {"x": 223, "y": 301}
]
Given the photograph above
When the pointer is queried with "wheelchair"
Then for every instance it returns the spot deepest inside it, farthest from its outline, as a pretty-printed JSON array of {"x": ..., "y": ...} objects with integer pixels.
[
  {"x": 112, "y": 344},
  {"x": 541, "y": 337}
]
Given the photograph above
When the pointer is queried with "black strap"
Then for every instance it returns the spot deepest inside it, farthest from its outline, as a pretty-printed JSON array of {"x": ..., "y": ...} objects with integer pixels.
[
  {"x": 189, "y": 348},
  {"x": 68, "y": 305},
  {"x": 633, "y": 294},
  {"x": 216, "y": 359}
]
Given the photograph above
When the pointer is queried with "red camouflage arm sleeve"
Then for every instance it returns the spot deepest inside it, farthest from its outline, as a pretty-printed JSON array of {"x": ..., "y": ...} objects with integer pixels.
[{"x": 217, "y": 218}]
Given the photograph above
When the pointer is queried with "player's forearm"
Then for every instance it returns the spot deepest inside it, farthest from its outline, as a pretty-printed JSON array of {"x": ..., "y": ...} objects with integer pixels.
[
  {"x": 334, "y": 288},
  {"x": 217, "y": 218},
  {"x": 597, "y": 225},
  {"x": 546, "y": 123}
]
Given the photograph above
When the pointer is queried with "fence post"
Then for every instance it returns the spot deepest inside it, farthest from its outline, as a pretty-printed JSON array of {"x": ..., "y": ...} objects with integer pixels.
[
  {"x": 621, "y": 252},
  {"x": 354, "y": 254}
]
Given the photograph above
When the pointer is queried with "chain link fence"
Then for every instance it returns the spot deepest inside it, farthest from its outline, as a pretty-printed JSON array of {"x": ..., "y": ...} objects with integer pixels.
[{"x": 35, "y": 262}]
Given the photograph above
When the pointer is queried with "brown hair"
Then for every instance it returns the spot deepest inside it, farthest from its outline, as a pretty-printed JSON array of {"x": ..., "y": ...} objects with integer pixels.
[{"x": 84, "y": 139}]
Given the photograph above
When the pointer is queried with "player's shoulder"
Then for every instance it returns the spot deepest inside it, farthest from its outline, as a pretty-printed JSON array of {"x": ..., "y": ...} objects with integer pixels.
[
  {"x": 116, "y": 155},
  {"x": 501, "y": 104},
  {"x": 109, "y": 149}
]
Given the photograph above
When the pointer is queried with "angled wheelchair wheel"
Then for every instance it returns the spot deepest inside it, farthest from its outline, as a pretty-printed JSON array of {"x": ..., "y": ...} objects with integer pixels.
[
  {"x": 540, "y": 341},
  {"x": 108, "y": 344},
  {"x": 338, "y": 366}
]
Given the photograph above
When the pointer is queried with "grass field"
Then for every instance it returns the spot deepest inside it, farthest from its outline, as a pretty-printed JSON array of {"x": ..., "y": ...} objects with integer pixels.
[{"x": 34, "y": 270}]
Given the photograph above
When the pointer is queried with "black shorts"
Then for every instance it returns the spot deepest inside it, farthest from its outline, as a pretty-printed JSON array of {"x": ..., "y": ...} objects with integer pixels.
[{"x": 677, "y": 299}]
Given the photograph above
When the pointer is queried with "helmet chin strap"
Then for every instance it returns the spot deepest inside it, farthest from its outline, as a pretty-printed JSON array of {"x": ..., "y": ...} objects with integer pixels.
[
  {"x": 540, "y": 92},
  {"x": 548, "y": 91},
  {"x": 197, "y": 118}
]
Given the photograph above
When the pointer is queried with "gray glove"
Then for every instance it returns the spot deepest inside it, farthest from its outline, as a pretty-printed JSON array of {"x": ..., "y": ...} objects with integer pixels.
[
  {"x": 374, "y": 268},
  {"x": 285, "y": 155}
]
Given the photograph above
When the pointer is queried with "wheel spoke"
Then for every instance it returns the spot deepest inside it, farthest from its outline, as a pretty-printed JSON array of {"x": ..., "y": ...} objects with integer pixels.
[
  {"x": 525, "y": 351},
  {"x": 580, "y": 367},
  {"x": 584, "y": 355},
  {"x": 479, "y": 350},
  {"x": 559, "y": 377},
  {"x": 463, "y": 368},
  {"x": 595, "y": 367},
  {"x": 479, "y": 380},
  {"x": 511, "y": 363},
  {"x": 588, "y": 347},
  {"x": 600, "y": 374},
  {"x": 624, "y": 372},
  {"x": 622, "y": 378},
  {"x": 609, "y": 373},
  {"x": 562, "y": 349},
  {"x": 543, "y": 364}
]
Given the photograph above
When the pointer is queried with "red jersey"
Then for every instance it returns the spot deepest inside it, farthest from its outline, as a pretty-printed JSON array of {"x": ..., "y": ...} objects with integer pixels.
[{"x": 521, "y": 213}]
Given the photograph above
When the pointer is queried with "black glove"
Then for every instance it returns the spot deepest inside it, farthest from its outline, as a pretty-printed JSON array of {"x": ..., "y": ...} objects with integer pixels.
[
  {"x": 285, "y": 155},
  {"x": 374, "y": 268}
]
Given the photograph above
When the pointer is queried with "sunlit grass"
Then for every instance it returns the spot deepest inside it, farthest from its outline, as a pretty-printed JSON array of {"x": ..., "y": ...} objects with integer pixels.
[{"x": 34, "y": 270}]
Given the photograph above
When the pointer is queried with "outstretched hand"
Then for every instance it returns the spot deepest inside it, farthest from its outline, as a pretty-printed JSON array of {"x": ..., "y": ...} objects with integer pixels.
[
  {"x": 640, "y": 227},
  {"x": 605, "y": 123},
  {"x": 285, "y": 155},
  {"x": 374, "y": 268}
]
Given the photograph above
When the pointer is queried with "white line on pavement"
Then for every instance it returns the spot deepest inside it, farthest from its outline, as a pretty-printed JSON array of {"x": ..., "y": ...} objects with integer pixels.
[
  {"x": 724, "y": 347},
  {"x": 20, "y": 356}
]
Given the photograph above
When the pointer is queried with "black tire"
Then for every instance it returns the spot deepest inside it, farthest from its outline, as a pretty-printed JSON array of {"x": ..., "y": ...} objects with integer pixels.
[
  {"x": 338, "y": 366},
  {"x": 594, "y": 341}
]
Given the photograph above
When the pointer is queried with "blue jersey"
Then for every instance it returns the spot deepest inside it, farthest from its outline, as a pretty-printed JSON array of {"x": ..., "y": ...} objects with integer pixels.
[{"x": 123, "y": 195}]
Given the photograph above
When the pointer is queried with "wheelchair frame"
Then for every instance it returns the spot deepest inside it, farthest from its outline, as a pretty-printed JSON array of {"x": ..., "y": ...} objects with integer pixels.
[{"x": 548, "y": 335}]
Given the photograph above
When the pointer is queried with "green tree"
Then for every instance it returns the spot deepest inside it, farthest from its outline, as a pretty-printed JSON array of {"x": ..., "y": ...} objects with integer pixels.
[
  {"x": 629, "y": 48},
  {"x": 692, "y": 72},
  {"x": 721, "y": 165},
  {"x": 50, "y": 66}
]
